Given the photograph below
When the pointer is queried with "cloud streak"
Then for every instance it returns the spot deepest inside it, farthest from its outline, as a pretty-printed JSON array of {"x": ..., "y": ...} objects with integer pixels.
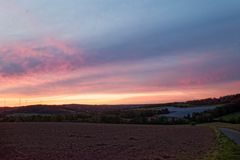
[
  {"x": 149, "y": 75},
  {"x": 27, "y": 58}
]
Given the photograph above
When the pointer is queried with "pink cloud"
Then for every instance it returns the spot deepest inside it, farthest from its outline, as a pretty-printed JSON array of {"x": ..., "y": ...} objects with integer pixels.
[
  {"x": 145, "y": 76},
  {"x": 26, "y": 58}
]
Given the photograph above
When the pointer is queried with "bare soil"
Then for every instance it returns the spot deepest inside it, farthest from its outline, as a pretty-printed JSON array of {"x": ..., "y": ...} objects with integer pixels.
[{"x": 78, "y": 141}]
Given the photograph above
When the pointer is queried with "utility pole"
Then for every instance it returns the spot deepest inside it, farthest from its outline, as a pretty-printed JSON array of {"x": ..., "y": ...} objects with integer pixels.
[
  {"x": 19, "y": 101},
  {"x": 4, "y": 102}
]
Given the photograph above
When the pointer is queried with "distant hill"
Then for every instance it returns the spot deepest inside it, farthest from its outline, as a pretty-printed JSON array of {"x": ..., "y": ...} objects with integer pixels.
[
  {"x": 212, "y": 101},
  {"x": 61, "y": 109},
  {"x": 81, "y": 108},
  {"x": 207, "y": 101}
]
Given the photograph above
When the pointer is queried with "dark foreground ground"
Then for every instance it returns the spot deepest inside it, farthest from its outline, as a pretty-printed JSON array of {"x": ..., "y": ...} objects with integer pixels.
[{"x": 76, "y": 141}]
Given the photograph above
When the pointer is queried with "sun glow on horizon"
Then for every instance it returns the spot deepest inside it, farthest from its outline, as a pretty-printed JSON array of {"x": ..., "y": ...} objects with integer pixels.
[
  {"x": 93, "y": 99},
  {"x": 117, "y": 98}
]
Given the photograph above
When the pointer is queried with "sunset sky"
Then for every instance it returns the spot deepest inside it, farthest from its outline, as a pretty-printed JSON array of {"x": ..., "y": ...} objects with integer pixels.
[{"x": 118, "y": 51}]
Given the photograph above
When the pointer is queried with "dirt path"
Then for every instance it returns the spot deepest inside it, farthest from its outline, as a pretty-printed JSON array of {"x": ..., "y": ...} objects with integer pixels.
[{"x": 232, "y": 134}]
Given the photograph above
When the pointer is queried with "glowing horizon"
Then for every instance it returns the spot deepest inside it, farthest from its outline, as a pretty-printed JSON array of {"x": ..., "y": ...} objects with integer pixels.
[{"x": 122, "y": 52}]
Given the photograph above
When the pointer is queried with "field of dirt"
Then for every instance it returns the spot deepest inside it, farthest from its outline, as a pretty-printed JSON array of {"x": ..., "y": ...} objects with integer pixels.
[{"x": 77, "y": 141}]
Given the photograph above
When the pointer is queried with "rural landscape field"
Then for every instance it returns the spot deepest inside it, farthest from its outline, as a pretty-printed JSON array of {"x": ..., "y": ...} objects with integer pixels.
[
  {"x": 103, "y": 141},
  {"x": 146, "y": 132},
  {"x": 119, "y": 80}
]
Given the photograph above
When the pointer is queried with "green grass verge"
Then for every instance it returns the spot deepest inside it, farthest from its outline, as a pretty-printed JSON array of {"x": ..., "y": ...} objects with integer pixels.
[
  {"x": 225, "y": 148},
  {"x": 230, "y": 117}
]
